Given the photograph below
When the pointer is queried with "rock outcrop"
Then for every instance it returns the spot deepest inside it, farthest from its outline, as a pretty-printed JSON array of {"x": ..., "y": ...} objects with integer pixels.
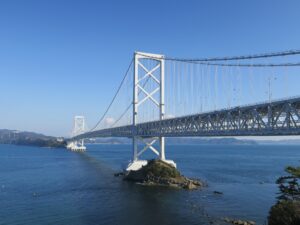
[
  {"x": 160, "y": 173},
  {"x": 239, "y": 222}
]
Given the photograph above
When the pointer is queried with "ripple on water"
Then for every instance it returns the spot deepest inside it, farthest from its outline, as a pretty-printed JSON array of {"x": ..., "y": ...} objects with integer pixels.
[{"x": 43, "y": 186}]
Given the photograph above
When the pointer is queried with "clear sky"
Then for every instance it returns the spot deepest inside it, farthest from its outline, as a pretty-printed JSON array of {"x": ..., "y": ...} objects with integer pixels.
[{"x": 61, "y": 58}]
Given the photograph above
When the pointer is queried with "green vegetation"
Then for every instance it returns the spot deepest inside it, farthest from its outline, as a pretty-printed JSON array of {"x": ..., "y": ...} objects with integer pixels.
[
  {"x": 50, "y": 143},
  {"x": 289, "y": 185},
  {"x": 154, "y": 168},
  {"x": 161, "y": 169},
  {"x": 295, "y": 171},
  {"x": 287, "y": 209},
  {"x": 160, "y": 173},
  {"x": 285, "y": 213},
  {"x": 30, "y": 138}
]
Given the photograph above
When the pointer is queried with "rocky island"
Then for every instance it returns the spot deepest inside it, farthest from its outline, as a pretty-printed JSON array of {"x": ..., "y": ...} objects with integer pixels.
[{"x": 160, "y": 173}]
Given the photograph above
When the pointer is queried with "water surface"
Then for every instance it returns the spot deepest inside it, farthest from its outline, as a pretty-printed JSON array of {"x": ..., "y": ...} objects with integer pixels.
[{"x": 56, "y": 186}]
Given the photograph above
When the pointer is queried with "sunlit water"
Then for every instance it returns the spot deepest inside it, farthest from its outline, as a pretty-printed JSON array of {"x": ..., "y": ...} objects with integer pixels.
[{"x": 55, "y": 186}]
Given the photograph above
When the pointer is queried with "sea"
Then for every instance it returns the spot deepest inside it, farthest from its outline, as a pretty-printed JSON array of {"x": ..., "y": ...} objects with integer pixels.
[{"x": 56, "y": 186}]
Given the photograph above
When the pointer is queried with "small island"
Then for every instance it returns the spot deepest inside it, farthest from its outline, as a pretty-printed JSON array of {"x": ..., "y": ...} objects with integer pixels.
[{"x": 160, "y": 173}]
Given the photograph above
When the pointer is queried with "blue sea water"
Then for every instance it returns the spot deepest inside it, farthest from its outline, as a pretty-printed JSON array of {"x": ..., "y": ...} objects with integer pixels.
[{"x": 56, "y": 186}]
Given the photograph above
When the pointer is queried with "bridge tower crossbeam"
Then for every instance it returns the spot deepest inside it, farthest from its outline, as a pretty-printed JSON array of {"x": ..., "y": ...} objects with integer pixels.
[{"x": 142, "y": 73}]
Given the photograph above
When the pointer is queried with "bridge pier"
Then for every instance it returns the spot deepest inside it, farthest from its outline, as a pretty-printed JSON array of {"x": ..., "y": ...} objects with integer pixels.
[
  {"x": 271, "y": 118},
  {"x": 76, "y": 146},
  {"x": 162, "y": 155},
  {"x": 143, "y": 72},
  {"x": 79, "y": 128},
  {"x": 148, "y": 143}
]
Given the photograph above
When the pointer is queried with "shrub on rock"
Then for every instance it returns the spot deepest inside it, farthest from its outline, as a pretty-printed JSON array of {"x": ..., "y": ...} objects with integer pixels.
[
  {"x": 285, "y": 212},
  {"x": 160, "y": 173}
]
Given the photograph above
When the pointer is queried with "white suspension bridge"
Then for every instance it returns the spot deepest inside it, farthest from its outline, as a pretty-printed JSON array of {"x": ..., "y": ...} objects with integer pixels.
[{"x": 252, "y": 95}]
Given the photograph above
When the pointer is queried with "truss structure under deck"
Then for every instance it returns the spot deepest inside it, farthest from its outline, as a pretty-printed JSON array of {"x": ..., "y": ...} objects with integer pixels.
[
  {"x": 280, "y": 117},
  {"x": 266, "y": 119}
]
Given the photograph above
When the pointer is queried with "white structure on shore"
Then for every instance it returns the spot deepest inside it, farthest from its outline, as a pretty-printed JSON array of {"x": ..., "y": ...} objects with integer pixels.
[
  {"x": 79, "y": 128},
  {"x": 76, "y": 146}
]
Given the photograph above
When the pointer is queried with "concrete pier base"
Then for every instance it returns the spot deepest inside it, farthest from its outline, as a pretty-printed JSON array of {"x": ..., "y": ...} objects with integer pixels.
[
  {"x": 76, "y": 147},
  {"x": 138, "y": 164}
]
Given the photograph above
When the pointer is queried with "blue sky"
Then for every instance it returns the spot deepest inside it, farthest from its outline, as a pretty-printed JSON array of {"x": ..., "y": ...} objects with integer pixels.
[{"x": 62, "y": 58}]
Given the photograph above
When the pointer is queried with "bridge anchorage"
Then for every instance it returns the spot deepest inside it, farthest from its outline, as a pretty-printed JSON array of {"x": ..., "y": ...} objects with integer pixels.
[{"x": 78, "y": 128}]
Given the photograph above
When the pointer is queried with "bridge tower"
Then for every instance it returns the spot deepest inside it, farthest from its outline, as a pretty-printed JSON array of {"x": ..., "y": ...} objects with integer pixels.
[
  {"x": 156, "y": 73},
  {"x": 78, "y": 128}
]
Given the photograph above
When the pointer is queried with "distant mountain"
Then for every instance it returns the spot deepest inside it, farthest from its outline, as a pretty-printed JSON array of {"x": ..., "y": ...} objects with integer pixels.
[
  {"x": 37, "y": 139},
  {"x": 29, "y": 138},
  {"x": 178, "y": 140}
]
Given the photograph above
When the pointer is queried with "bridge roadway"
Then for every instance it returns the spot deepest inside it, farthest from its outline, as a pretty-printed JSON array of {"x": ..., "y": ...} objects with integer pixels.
[{"x": 281, "y": 117}]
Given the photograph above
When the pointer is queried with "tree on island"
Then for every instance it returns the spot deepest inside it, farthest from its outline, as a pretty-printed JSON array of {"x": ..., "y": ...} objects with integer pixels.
[{"x": 287, "y": 209}]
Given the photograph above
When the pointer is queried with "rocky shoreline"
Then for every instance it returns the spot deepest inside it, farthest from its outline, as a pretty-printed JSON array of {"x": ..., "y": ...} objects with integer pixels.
[
  {"x": 285, "y": 212},
  {"x": 239, "y": 222},
  {"x": 187, "y": 183},
  {"x": 160, "y": 173}
]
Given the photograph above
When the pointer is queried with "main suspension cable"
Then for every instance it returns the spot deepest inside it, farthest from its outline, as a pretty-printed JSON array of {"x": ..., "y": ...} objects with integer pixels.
[
  {"x": 209, "y": 62},
  {"x": 227, "y": 58},
  {"x": 247, "y": 64},
  {"x": 113, "y": 99}
]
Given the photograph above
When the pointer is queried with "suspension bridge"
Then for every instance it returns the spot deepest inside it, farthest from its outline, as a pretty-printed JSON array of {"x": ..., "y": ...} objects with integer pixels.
[{"x": 159, "y": 96}]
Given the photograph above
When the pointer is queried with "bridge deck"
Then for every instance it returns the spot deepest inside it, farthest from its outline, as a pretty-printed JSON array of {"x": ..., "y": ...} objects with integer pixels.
[{"x": 265, "y": 119}]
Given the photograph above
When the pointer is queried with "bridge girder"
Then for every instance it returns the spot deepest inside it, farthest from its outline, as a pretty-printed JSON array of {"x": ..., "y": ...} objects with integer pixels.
[{"x": 266, "y": 119}]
